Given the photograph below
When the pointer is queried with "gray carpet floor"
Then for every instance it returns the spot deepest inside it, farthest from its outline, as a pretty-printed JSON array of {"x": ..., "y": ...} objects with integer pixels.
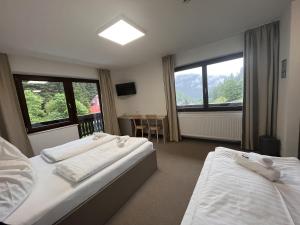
[{"x": 163, "y": 198}]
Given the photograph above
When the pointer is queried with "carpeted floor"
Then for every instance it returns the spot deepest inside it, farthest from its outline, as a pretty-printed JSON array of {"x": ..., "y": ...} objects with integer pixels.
[{"x": 163, "y": 198}]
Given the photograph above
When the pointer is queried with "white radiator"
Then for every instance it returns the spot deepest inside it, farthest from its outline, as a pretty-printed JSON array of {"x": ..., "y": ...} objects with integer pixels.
[{"x": 212, "y": 125}]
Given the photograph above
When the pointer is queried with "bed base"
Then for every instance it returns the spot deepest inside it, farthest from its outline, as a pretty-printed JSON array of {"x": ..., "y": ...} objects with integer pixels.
[{"x": 98, "y": 209}]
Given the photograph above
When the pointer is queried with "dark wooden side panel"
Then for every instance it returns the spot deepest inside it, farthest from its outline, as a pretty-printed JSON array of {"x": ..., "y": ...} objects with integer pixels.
[
  {"x": 100, "y": 208},
  {"x": 299, "y": 144}
]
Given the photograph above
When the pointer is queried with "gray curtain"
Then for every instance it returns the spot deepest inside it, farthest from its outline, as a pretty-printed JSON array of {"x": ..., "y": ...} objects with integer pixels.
[
  {"x": 12, "y": 127},
  {"x": 168, "y": 63},
  {"x": 261, "y": 63},
  {"x": 111, "y": 124}
]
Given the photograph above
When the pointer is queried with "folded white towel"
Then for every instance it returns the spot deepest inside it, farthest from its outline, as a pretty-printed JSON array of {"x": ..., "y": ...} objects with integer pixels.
[
  {"x": 267, "y": 161},
  {"x": 98, "y": 135},
  {"x": 261, "y": 159},
  {"x": 82, "y": 166},
  {"x": 122, "y": 140},
  {"x": 245, "y": 160},
  {"x": 74, "y": 148}
]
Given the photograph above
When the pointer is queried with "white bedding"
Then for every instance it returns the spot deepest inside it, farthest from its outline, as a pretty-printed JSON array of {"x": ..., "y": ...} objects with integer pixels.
[
  {"x": 16, "y": 178},
  {"x": 227, "y": 193},
  {"x": 87, "y": 164},
  {"x": 53, "y": 197},
  {"x": 76, "y": 147}
]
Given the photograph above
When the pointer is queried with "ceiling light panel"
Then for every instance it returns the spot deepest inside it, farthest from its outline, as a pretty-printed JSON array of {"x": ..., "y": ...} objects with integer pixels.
[{"x": 121, "y": 32}]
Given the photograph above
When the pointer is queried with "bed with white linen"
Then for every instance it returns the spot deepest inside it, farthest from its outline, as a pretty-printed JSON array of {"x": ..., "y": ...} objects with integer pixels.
[
  {"x": 93, "y": 200},
  {"x": 227, "y": 193}
]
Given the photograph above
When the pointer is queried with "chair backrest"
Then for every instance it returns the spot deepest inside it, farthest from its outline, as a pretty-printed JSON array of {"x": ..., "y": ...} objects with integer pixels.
[
  {"x": 152, "y": 118},
  {"x": 137, "y": 119}
]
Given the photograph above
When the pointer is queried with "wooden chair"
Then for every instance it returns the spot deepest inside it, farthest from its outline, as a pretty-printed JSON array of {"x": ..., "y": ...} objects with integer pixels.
[
  {"x": 138, "y": 125},
  {"x": 153, "y": 125}
]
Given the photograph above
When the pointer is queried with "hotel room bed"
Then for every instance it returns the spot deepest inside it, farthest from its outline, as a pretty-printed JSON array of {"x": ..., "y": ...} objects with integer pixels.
[
  {"x": 227, "y": 193},
  {"x": 92, "y": 201}
]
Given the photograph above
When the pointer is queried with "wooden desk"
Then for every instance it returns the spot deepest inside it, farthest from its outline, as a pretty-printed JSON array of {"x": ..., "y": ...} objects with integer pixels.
[{"x": 126, "y": 126}]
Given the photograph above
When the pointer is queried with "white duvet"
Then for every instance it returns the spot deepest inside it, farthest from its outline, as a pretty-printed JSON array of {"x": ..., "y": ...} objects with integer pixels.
[
  {"x": 229, "y": 194},
  {"x": 16, "y": 178},
  {"x": 82, "y": 166},
  {"x": 74, "y": 148}
]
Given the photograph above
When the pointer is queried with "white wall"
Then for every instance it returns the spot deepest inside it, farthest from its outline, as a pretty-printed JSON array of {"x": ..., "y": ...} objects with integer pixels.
[
  {"x": 34, "y": 66},
  {"x": 285, "y": 22},
  {"x": 227, "y": 46},
  {"x": 150, "y": 97},
  {"x": 292, "y": 104}
]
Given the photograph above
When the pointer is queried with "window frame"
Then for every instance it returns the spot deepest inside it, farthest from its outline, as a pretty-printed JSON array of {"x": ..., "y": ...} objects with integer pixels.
[
  {"x": 206, "y": 106},
  {"x": 70, "y": 100}
]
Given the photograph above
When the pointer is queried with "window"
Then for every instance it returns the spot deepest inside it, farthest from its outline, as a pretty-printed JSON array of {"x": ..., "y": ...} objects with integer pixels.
[
  {"x": 86, "y": 98},
  {"x": 225, "y": 82},
  {"x": 51, "y": 102},
  {"x": 211, "y": 85},
  {"x": 46, "y": 101},
  {"x": 189, "y": 87}
]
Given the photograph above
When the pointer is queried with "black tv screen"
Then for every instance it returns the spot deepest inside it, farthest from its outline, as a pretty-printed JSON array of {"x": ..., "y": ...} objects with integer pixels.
[{"x": 126, "y": 89}]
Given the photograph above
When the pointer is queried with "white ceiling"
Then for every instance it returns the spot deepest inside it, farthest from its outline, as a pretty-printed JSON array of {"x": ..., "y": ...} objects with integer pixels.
[{"x": 67, "y": 29}]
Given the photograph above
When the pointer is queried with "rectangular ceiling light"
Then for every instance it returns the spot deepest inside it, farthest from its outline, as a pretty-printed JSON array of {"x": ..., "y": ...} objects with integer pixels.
[{"x": 121, "y": 32}]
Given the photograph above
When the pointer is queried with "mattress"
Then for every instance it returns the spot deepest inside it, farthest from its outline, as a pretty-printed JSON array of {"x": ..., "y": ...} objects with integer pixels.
[
  {"x": 53, "y": 197},
  {"x": 227, "y": 193}
]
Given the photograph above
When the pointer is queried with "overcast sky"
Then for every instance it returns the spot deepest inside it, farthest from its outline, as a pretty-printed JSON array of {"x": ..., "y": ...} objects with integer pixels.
[{"x": 224, "y": 68}]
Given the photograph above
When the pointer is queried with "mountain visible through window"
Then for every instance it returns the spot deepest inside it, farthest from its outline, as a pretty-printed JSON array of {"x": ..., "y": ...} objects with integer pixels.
[
  {"x": 225, "y": 82},
  {"x": 214, "y": 84},
  {"x": 189, "y": 87}
]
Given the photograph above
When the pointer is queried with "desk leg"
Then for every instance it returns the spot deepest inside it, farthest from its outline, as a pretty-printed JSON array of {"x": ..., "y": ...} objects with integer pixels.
[{"x": 163, "y": 127}]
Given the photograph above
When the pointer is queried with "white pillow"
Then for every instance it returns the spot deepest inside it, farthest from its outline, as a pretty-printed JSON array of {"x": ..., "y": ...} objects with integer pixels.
[{"x": 16, "y": 178}]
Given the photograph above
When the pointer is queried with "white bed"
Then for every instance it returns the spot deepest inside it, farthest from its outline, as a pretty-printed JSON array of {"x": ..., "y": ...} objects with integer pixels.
[
  {"x": 227, "y": 193},
  {"x": 46, "y": 207}
]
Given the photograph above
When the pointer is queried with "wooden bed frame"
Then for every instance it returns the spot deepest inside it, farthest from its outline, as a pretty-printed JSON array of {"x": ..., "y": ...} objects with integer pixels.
[{"x": 99, "y": 208}]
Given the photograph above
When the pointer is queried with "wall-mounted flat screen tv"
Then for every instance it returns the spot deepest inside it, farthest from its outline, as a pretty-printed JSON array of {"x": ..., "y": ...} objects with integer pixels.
[{"x": 126, "y": 89}]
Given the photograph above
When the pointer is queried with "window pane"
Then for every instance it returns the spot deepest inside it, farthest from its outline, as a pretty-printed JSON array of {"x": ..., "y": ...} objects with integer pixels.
[
  {"x": 88, "y": 108},
  {"x": 225, "y": 82},
  {"x": 46, "y": 101},
  {"x": 189, "y": 89},
  {"x": 86, "y": 98}
]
